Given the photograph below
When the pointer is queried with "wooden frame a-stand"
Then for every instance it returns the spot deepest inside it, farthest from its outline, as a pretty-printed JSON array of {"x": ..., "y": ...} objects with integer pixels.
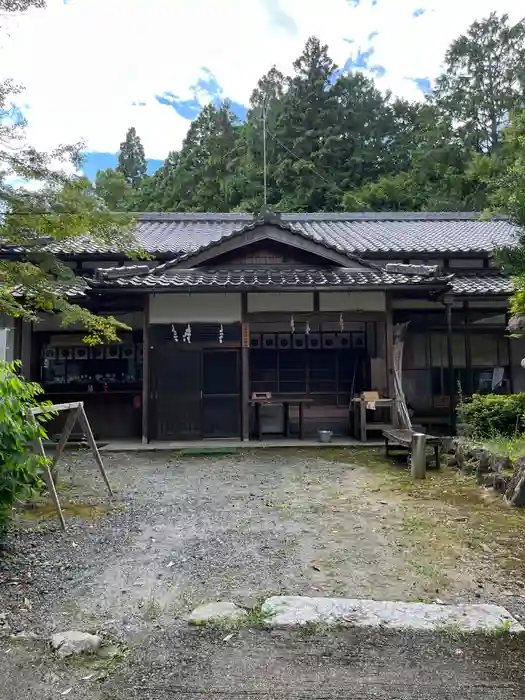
[{"x": 76, "y": 414}]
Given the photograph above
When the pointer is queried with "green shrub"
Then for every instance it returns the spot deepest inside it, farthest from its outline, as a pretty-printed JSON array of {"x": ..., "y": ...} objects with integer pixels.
[
  {"x": 20, "y": 467},
  {"x": 492, "y": 415}
]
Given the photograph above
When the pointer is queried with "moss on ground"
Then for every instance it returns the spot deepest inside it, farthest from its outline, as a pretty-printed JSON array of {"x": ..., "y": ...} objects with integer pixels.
[{"x": 85, "y": 511}]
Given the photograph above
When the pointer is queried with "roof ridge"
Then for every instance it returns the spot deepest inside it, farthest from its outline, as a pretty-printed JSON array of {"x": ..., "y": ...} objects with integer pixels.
[{"x": 322, "y": 216}]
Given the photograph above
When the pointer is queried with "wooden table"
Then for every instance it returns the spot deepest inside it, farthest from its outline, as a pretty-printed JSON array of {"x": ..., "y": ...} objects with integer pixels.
[
  {"x": 358, "y": 416},
  {"x": 285, "y": 402}
]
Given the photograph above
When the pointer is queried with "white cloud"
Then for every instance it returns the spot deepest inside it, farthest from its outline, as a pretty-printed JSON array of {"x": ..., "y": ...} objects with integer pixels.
[{"x": 85, "y": 63}]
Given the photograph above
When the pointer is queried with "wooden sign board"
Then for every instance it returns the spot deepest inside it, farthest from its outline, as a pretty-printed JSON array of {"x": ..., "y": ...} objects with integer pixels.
[{"x": 245, "y": 335}]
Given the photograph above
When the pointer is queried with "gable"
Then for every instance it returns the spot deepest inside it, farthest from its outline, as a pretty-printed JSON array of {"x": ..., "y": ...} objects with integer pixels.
[
  {"x": 277, "y": 243},
  {"x": 269, "y": 253}
]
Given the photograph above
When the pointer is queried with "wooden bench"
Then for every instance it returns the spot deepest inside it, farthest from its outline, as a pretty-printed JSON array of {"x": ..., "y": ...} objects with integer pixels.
[{"x": 403, "y": 439}]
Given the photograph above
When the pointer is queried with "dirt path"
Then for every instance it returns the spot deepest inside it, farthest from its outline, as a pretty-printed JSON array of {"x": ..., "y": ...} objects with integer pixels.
[{"x": 186, "y": 531}]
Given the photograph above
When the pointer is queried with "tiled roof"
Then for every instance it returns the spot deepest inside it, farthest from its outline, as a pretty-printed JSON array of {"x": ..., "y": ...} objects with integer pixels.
[
  {"x": 479, "y": 284},
  {"x": 473, "y": 284},
  {"x": 353, "y": 233},
  {"x": 73, "y": 289},
  {"x": 261, "y": 278}
]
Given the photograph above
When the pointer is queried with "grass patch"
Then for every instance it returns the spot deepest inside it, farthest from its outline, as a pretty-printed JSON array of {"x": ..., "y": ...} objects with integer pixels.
[
  {"x": 452, "y": 631},
  {"x": 101, "y": 664},
  {"x": 511, "y": 447},
  {"x": 254, "y": 619}
]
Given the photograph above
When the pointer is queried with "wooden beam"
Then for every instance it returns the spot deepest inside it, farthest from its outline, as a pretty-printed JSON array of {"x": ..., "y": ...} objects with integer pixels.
[
  {"x": 145, "y": 372},
  {"x": 57, "y": 407}
]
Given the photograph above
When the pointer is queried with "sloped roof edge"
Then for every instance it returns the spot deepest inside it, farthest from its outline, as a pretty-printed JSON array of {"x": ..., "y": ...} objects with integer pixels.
[{"x": 266, "y": 217}]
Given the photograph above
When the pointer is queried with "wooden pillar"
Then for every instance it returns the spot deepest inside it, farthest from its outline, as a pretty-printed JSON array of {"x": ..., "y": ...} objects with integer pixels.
[
  {"x": 17, "y": 344},
  {"x": 389, "y": 344},
  {"x": 145, "y": 372},
  {"x": 509, "y": 353},
  {"x": 25, "y": 348},
  {"x": 469, "y": 387},
  {"x": 245, "y": 370},
  {"x": 450, "y": 362}
]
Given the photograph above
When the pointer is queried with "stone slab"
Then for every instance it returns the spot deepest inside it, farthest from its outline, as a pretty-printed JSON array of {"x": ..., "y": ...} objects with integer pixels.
[
  {"x": 216, "y": 611},
  {"x": 291, "y": 611}
]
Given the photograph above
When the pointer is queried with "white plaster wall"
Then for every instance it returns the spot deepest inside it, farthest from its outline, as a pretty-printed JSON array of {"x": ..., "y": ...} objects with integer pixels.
[
  {"x": 352, "y": 301},
  {"x": 280, "y": 301},
  {"x": 195, "y": 308}
]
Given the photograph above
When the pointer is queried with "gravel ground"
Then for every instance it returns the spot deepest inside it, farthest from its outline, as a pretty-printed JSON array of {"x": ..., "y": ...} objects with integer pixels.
[{"x": 183, "y": 531}]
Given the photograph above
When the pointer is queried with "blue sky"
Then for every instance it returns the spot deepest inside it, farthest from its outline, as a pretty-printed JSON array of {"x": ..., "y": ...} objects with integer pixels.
[{"x": 105, "y": 65}]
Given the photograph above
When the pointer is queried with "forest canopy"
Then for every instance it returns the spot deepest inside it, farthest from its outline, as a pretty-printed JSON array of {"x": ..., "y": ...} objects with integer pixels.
[{"x": 335, "y": 142}]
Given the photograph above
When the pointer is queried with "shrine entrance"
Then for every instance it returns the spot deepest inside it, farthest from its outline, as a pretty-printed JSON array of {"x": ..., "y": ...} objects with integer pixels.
[{"x": 195, "y": 392}]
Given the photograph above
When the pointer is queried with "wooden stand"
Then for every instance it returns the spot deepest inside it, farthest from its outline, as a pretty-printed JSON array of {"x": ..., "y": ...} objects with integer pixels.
[
  {"x": 360, "y": 426},
  {"x": 77, "y": 413}
]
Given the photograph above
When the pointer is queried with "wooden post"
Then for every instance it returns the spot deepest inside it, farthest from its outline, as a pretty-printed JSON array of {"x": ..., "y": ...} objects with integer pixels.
[
  {"x": 418, "y": 456},
  {"x": 469, "y": 385},
  {"x": 450, "y": 364},
  {"x": 83, "y": 420},
  {"x": 389, "y": 344},
  {"x": 245, "y": 370},
  {"x": 25, "y": 348},
  {"x": 145, "y": 372},
  {"x": 51, "y": 484},
  {"x": 362, "y": 419},
  {"x": 509, "y": 353}
]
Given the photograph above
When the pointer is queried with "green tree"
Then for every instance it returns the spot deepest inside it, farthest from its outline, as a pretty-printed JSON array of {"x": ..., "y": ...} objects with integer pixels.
[
  {"x": 200, "y": 177},
  {"x": 113, "y": 188},
  {"x": 132, "y": 158},
  {"x": 508, "y": 196},
  {"x": 484, "y": 79},
  {"x": 305, "y": 123},
  {"x": 43, "y": 206}
]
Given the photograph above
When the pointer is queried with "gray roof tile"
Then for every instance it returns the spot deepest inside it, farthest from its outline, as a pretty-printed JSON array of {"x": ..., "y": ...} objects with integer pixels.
[
  {"x": 261, "y": 278},
  {"x": 479, "y": 284},
  {"x": 475, "y": 284},
  {"x": 356, "y": 233}
]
